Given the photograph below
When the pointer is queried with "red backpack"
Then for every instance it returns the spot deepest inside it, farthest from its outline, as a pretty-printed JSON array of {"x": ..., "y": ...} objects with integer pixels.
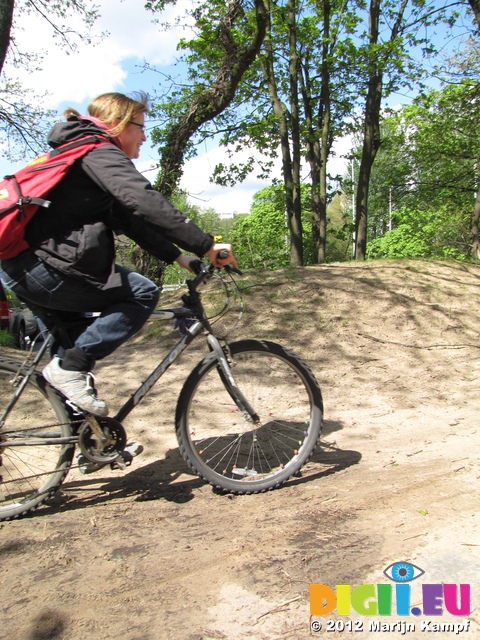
[{"x": 22, "y": 193}]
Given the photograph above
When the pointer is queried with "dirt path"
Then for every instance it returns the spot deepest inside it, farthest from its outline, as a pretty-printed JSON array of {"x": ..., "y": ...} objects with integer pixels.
[{"x": 154, "y": 554}]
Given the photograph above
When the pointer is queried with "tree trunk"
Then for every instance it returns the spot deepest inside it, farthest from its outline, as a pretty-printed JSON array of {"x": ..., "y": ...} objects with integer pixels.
[
  {"x": 474, "y": 223},
  {"x": 325, "y": 126},
  {"x": 371, "y": 144},
  {"x": 213, "y": 100},
  {"x": 371, "y": 141},
  {"x": 318, "y": 144},
  {"x": 475, "y": 6},
  {"x": 312, "y": 149},
  {"x": 371, "y": 138},
  {"x": 282, "y": 116},
  {"x": 6, "y": 17},
  {"x": 296, "y": 231}
]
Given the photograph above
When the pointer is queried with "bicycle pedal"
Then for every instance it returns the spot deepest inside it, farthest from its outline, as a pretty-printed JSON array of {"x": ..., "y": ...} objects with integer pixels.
[
  {"x": 123, "y": 461},
  {"x": 77, "y": 413}
]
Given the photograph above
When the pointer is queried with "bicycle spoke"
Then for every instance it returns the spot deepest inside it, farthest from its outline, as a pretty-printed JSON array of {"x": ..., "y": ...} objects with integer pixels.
[
  {"x": 227, "y": 448},
  {"x": 31, "y": 471}
]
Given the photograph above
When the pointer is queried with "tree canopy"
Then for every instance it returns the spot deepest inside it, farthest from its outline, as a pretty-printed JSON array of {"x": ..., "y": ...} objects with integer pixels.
[
  {"x": 24, "y": 122},
  {"x": 319, "y": 67},
  {"x": 429, "y": 167}
]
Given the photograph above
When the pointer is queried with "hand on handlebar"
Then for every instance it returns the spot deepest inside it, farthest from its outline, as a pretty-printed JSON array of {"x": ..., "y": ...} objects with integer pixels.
[{"x": 221, "y": 254}]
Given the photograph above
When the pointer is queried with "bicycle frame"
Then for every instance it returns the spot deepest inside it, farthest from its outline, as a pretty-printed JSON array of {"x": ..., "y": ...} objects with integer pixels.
[
  {"x": 138, "y": 395},
  {"x": 194, "y": 309}
]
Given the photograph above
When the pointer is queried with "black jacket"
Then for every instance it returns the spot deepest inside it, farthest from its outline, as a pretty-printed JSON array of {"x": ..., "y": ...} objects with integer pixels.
[{"x": 103, "y": 193}]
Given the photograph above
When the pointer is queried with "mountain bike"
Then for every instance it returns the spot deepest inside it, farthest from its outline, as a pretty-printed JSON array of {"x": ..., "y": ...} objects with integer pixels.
[{"x": 248, "y": 417}]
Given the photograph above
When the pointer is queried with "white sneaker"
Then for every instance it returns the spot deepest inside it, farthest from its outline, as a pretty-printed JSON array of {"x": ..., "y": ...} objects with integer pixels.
[
  {"x": 131, "y": 450},
  {"x": 77, "y": 386}
]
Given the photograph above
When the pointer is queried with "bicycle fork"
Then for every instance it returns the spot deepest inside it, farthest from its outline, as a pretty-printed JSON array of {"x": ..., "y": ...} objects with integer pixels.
[{"x": 228, "y": 379}]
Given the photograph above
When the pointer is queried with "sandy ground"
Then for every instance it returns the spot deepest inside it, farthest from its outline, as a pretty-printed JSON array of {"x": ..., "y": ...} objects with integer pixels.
[{"x": 152, "y": 553}]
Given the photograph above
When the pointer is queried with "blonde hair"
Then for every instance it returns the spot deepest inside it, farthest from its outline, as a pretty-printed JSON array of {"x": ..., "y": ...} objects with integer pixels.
[{"x": 115, "y": 106}]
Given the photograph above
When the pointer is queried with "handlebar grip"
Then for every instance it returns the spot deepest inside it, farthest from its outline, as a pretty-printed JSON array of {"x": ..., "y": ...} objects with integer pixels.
[{"x": 224, "y": 253}]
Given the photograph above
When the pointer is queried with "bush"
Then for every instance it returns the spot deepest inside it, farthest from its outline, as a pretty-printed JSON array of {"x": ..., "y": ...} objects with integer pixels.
[
  {"x": 423, "y": 234},
  {"x": 261, "y": 240}
]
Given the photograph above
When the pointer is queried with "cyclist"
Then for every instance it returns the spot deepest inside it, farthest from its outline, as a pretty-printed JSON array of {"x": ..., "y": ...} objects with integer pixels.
[{"x": 70, "y": 265}]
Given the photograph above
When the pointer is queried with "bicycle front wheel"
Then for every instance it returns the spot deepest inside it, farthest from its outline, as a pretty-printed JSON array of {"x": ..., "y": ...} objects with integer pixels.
[
  {"x": 30, "y": 470},
  {"x": 228, "y": 449}
]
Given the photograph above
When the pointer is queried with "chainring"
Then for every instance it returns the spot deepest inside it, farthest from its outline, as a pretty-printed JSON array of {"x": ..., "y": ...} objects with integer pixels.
[{"x": 102, "y": 439}]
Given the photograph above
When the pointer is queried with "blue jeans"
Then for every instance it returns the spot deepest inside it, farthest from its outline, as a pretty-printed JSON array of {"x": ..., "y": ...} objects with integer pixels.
[{"x": 124, "y": 309}]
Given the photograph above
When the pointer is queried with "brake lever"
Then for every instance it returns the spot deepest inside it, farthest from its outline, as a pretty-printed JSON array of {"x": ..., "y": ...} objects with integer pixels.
[
  {"x": 228, "y": 268},
  {"x": 199, "y": 268}
]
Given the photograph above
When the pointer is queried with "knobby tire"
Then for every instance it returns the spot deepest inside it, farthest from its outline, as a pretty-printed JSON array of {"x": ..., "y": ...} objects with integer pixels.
[{"x": 228, "y": 450}]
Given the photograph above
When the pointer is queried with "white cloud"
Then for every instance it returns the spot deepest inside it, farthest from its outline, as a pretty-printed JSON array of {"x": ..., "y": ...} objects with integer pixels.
[
  {"x": 238, "y": 199},
  {"x": 338, "y": 163},
  {"x": 132, "y": 29},
  {"x": 196, "y": 181},
  {"x": 197, "y": 171},
  {"x": 95, "y": 69}
]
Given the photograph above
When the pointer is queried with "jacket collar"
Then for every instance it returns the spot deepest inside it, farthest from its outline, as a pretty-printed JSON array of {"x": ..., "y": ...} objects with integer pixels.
[{"x": 101, "y": 125}]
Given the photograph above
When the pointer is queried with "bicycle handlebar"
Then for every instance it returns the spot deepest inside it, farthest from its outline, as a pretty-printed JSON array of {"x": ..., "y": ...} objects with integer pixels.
[
  {"x": 203, "y": 271},
  {"x": 224, "y": 253}
]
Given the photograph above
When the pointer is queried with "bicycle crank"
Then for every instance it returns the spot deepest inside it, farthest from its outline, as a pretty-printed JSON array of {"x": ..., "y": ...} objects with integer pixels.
[{"x": 102, "y": 439}]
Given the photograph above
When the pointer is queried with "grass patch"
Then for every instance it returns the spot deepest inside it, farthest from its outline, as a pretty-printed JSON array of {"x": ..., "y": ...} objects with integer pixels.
[
  {"x": 6, "y": 339},
  {"x": 156, "y": 332}
]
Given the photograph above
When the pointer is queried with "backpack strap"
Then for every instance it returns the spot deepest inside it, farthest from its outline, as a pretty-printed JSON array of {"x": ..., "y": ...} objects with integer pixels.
[
  {"x": 22, "y": 200},
  {"x": 93, "y": 139}
]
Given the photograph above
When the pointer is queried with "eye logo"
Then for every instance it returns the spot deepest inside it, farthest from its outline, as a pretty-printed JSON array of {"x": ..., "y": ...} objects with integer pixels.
[
  {"x": 403, "y": 572},
  {"x": 381, "y": 599}
]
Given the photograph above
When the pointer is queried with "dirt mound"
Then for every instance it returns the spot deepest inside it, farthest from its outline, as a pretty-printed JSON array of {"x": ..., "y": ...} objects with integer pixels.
[{"x": 153, "y": 553}]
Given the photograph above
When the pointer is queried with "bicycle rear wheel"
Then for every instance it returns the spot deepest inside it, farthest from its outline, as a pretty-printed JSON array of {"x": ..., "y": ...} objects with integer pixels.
[
  {"x": 226, "y": 448},
  {"x": 31, "y": 473}
]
